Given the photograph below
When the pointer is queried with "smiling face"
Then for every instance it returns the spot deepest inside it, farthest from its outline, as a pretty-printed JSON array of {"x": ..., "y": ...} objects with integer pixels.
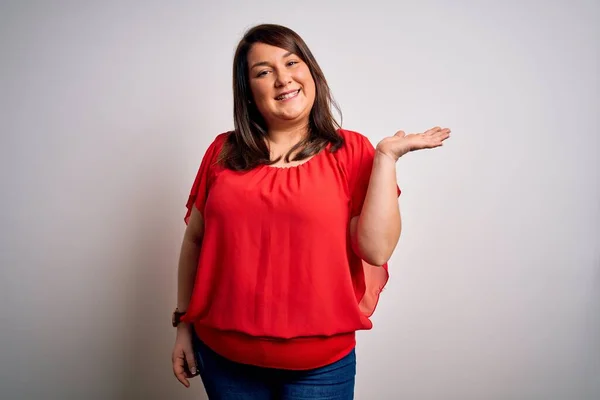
[{"x": 282, "y": 86}]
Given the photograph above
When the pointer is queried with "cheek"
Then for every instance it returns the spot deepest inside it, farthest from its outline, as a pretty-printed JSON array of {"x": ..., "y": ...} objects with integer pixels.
[
  {"x": 308, "y": 83},
  {"x": 311, "y": 89},
  {"x": 259, "y": 92}
]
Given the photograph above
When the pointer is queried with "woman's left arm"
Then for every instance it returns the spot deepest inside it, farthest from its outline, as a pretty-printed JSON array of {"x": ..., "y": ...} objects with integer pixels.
[{"x": 376, "y": 230}]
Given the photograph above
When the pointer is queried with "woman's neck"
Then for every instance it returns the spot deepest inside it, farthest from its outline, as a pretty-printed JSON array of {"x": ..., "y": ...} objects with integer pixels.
[
  {"x": 287, "y": 136},
  {"x": 280, "y": 141}
]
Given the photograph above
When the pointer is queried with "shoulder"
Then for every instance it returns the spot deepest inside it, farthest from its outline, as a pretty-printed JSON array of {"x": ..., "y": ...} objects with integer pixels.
[
  {"x": 351, "y": 135},
  {"x": 354, "y": 139},
  {"x": 355, "y": 144},
  {"x": 211, "y": 153},
  {"x": 216, "y": 145},
  {"x": 220, "y": 139}
]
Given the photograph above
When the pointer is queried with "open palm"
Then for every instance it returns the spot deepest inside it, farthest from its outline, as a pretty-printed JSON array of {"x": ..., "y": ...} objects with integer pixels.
[{"x": 401, "y": 143}]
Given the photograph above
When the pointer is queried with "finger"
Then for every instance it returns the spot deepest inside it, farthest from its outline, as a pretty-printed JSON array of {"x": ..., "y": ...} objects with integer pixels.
[
  {"x": 441, "y": 133},
  {"x": 432, "y": 142},
  {"x": 444, "y": 134},
  {"x": 400, "y": 134},
  {"x": 432, "y": 130},
  {"x": 433, "y": 145},
  {"x": 179, "y": 371},
  {"x": 191, "y": 363}
]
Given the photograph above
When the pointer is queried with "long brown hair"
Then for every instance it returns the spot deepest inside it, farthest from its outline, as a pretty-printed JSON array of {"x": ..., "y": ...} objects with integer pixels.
[{"x": 245, "y": 147}]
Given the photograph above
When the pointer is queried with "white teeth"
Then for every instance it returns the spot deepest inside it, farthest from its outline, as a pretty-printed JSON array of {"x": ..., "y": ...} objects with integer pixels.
[{"x": 287, "y": 96}]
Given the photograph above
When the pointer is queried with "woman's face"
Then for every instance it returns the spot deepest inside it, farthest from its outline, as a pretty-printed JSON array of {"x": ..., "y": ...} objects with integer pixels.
[{"x": 282, "y": 86}]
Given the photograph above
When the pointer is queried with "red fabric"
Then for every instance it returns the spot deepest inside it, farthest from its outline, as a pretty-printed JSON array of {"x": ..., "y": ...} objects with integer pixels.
[{"x": 277, "y": 274}]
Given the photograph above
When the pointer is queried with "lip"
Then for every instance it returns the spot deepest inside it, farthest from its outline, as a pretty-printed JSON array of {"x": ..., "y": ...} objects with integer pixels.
[{"x": 289, "y": 91}]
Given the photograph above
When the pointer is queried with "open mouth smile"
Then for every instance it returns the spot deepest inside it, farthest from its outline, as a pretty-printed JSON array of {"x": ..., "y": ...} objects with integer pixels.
[{"x": 287, "y": 95}]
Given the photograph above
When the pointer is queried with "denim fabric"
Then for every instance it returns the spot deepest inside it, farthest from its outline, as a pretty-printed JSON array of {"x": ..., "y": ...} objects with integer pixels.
[{"x": 227, "y": 380}]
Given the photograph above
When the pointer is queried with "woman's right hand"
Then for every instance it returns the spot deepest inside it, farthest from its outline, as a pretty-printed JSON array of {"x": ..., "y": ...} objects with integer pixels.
[{"x": 184, "y": 362}]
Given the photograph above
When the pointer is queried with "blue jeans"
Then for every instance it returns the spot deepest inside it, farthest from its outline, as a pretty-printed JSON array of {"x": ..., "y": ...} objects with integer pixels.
[{"x": 227, "y": 380}]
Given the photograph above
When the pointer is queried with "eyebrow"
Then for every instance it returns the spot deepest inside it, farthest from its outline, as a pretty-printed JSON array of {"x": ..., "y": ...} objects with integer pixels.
[{"x": 263, "y": 63}]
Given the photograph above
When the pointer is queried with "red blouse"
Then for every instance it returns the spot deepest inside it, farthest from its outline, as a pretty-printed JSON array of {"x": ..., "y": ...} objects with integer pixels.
[{"x": 278, "y": 284}]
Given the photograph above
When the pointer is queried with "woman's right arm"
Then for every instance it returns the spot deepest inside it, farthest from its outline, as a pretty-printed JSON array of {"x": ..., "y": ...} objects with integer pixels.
[
  {"x": 184, "y": 363},
  {"x": 188, "y": 258}
]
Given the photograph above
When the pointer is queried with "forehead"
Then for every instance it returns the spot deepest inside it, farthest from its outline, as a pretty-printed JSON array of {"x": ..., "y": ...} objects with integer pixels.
[{"x": 265, "y": 52}]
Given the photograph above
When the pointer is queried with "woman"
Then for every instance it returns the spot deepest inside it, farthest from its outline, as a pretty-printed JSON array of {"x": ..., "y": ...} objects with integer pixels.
[{"x": 291, "y": 221}]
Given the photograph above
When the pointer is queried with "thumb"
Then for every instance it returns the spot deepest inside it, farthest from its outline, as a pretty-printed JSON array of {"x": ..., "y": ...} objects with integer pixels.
[
  {"x": 190, "y": 360},
  {"x": 400, "y": 134}
]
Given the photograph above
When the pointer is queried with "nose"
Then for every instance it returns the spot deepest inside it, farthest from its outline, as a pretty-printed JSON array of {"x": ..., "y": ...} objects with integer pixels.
[{"x": 283, "y": 79}]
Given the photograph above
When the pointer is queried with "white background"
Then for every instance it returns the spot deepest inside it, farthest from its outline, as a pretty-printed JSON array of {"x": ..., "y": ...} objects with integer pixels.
[{"x": 107, "y": 108}]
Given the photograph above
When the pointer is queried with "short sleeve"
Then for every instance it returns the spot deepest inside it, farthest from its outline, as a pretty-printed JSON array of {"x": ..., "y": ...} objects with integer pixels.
[
  {"x": 204, "y": 177},
  {"x": 357, "y": 159},
  {"x": 361, "y": 154}
]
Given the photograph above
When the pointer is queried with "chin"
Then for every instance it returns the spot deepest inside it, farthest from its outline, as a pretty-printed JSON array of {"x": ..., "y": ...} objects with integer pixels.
[{"x": 290, "y": 115}]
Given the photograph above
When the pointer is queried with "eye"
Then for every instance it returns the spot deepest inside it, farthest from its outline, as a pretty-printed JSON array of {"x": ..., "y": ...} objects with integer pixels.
[
  {"x": 290, "y": 63},
  {"x": 261, "y": 74}
]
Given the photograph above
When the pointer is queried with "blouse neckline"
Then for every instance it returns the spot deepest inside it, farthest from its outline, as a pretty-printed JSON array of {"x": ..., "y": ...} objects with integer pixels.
[{"x": 298, "y": 166}]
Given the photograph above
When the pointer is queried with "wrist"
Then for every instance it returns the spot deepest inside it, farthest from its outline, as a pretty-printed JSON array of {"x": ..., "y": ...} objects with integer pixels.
[
  {"x": 385, "y": 156},
  {"x": 176, "y": 317},
  {"x": 184, "y": 326},
  {"x": 184, "y": 330}
]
